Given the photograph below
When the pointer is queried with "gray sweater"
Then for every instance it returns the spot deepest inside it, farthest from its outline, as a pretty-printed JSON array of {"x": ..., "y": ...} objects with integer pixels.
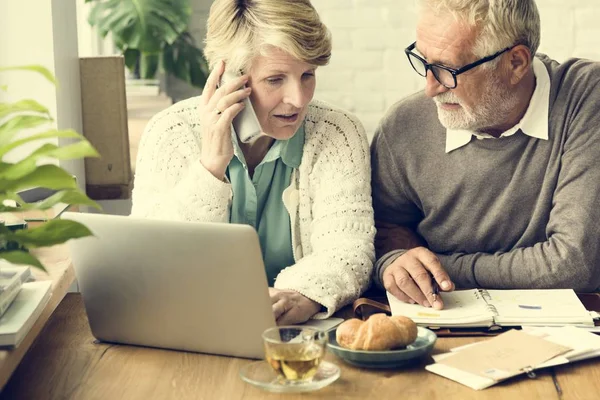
[{"x": 516, "y": 212}]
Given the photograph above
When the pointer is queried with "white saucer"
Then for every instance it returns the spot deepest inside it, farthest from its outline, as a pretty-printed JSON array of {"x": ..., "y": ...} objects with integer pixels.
[{"x": 261, "y": 374}]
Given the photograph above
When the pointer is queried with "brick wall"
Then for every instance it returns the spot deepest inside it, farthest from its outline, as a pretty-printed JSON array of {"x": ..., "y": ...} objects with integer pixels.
[{"x": 369, "y": 71}]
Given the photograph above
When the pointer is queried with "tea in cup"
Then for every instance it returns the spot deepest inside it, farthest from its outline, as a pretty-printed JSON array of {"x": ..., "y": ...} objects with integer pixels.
[{"x": 294, "y": 352}]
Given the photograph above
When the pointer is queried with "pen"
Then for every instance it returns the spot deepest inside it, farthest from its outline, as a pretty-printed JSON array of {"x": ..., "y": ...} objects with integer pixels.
[{"x": 435, "y": 289}]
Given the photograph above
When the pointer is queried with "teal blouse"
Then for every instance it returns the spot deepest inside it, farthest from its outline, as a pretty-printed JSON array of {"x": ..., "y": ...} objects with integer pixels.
[{"x": 257, "y": 201}]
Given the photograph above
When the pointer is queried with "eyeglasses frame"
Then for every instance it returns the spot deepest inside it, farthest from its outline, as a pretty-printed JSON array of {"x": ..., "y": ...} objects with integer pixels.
[{"x": 454, "y": 72}]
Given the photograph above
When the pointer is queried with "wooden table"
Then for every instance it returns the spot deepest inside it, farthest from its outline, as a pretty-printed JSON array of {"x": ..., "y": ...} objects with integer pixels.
[
  {"x": 67, "y": 363},
  {"x": 58, "y": 263}
]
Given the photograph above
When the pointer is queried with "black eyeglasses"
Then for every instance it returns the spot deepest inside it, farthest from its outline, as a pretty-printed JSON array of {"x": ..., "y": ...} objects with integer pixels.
[{"x": 444, "y": 75}]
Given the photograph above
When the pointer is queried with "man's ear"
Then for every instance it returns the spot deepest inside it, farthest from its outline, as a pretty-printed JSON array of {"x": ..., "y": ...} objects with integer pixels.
[{"x": 519, "y": 58}]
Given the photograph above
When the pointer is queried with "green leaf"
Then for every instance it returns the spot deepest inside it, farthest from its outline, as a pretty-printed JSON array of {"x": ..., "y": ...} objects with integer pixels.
[
  {"x": 29, "y": 164},
  {"x": 145, "y": 25},
  {"x": 50, "y": 233},
  {"x": 131, "y": 58},
  {"x": 4, "y": 88},
  {"x": 148, "y": 65},
  {"x": 22, "y": 106},
  {"x": 22, "y": 257},
  {"x": 95, "y": 16},
  {"x": 20, "y": 169},
  {"x": 79, "y": 149},
  {"x": 14, "y": 124},
  {"x": 45, "y": 176},
  {"x": 21, "y": 205},
  {"x": 36, "y": 68},
  {"x": 10, "y": 196},
  {"x": 198, "y": 73},
  {"x": 72, "y": 197},
  {"x": 4, "y": 166},
  {"x": 185, "y": 61},
  {"x": 69, "y": 133}
]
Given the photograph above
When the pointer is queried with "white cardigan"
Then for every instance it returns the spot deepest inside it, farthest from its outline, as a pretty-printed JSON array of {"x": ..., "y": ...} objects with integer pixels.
[{"x": 329, "y": 199}]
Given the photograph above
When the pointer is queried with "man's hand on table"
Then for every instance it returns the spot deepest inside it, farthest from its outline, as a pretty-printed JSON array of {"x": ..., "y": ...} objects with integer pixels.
[{"x": 409, "y": 278}]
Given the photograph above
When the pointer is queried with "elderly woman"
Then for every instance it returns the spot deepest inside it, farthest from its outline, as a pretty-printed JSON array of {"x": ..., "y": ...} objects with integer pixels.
[{"x": 303, "y": 184}]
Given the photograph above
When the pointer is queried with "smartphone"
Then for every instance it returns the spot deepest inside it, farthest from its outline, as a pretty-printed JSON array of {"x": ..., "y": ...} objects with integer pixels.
[{"x": 245, "y": 124}]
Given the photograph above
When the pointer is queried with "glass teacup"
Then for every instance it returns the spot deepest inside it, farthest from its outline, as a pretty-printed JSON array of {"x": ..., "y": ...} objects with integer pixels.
[{"x": 294, "y": 352}]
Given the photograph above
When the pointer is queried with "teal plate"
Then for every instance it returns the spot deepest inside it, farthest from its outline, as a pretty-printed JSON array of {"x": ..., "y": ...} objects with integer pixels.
[{"x": 385, "y": 359}]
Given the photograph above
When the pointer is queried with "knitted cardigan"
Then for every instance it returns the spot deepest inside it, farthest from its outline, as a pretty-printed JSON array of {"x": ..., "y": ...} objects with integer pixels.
[{"x": 329, "y": 199}]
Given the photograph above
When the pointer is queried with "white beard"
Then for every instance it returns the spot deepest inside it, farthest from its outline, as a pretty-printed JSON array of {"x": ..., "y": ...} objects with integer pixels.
[{"x": 494, "y": 106}]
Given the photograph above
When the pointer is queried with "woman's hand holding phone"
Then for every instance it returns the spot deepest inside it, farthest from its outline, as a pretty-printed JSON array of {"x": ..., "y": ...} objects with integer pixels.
[{"x": 218, "y": 106}]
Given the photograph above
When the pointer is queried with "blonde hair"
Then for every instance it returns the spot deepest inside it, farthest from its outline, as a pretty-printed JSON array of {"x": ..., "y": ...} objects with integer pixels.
[
  {"x": 239, "y": 30},
  {"x": 501, "y": 23}
]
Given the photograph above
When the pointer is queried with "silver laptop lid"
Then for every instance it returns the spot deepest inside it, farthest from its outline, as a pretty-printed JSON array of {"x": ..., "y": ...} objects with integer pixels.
[{"x": 178, "y": 285}]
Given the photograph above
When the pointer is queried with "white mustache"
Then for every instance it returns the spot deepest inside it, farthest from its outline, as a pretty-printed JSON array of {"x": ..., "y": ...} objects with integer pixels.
[{"x": 447, "y": 97}]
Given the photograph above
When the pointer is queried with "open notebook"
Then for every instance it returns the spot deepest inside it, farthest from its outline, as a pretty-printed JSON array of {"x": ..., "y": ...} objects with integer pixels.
[{"x": 485, "y": 308}]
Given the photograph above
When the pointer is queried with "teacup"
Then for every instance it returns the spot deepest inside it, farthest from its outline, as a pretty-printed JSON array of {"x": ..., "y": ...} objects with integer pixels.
[{"x": 294, "y": 352}]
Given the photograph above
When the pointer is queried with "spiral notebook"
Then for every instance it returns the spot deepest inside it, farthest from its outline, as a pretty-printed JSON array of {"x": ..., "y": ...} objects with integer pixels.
[{"x": 486, "y": 308}]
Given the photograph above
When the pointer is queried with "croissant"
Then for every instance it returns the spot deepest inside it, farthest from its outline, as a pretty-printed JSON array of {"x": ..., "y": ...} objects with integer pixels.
[{"x": 378, "y": 333}]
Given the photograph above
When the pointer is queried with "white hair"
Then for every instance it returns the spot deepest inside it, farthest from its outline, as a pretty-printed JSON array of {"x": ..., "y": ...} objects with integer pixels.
[{"x": 501, "y": 23}]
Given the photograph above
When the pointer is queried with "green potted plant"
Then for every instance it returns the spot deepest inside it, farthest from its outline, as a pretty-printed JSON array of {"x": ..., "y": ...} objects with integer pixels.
[
  {"x": 152, "y": 34},
  {"x": 16, "y": 119}
]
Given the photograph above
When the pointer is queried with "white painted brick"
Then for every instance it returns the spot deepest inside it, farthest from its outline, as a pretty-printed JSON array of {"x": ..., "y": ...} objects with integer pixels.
[
  {"x": 543, "y": 4},
  {"x": 402, "y": 15},
  {"x": 399, "y": 39},
  {"x": 395, "y": 61},
  {"x": 370, "y": 80},
  {"x": 588, "y": 39},
  {"x": 322, "y": 5},
  {"x": 356, "y": 60},
  {"x": 342, "y": 40},
  {"x": 395, "y": 81},
  {"x": 587, "y": 17},
  {"x": 354, "y": 18},
  {"x": 371, "y": 102},
  {"x": 377, "y": 3},
  {"x": 369, "y": 39},
  {"x": 331, "y": 80},
  {"x": 586, "y": 3},
  {"x": 558, "y": 31},
  {"x": 344, "y": 100}
]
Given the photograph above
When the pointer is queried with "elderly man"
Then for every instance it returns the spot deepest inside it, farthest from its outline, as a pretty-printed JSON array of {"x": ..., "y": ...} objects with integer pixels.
[{"x": 491, "y": 176}]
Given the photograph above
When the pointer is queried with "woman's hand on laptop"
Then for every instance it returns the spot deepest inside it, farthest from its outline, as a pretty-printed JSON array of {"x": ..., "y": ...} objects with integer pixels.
[{"x": 291, "y": 307}]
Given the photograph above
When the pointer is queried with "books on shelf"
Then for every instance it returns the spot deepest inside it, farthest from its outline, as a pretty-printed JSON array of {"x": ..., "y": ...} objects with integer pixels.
[
  {"x": 23, "y": 312},
  {"x": 486, "y": 308},
  {"x": 483, "y": 364},
  {"x": 11, "y": 279}
]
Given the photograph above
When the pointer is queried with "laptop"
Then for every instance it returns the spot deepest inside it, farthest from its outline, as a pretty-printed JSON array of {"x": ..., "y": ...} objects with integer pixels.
[{"x": 198, "y": 287}]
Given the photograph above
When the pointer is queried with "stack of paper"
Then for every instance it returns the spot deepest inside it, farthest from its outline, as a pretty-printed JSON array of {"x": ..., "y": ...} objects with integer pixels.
[
  {"x": 11, "y": 279},
  {"x": 483, "y": 364},
  {"x": 23, "y": 312}
]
